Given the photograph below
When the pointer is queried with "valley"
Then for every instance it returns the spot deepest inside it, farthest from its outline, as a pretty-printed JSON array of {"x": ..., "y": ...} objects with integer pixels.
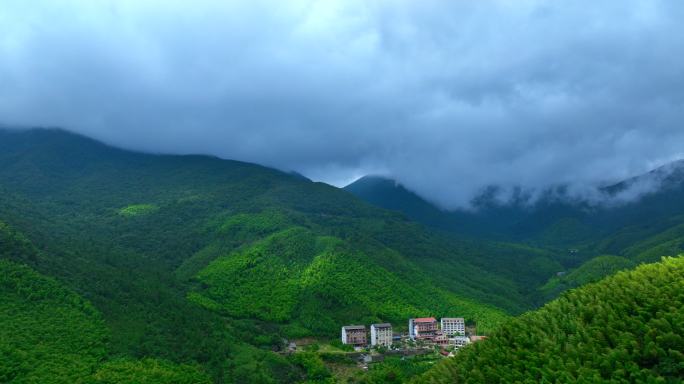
[{"x": 170, "y": 268}]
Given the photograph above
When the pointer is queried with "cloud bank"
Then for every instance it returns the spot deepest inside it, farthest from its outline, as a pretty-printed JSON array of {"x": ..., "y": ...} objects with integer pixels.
[{"x": 447, "y": 97}]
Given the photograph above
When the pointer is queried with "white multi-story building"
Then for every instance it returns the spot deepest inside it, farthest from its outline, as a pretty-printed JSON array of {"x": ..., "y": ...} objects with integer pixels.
[
  {"x": 453, "y": 326},
  {"x": 381, "y": 334},
  {"x": 459, "y": 341}
]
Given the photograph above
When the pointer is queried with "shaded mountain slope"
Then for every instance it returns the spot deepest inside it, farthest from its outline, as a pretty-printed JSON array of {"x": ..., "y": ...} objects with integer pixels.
[
  {"x": 168, "y": 208},
  {"x": 591, "y": 271},
  {"x": 641, "y": 230},
  {"x": 156, "y": 243},
  {"x": 389, "y": 194},
  {"x": 49, "y": 334},
  {"x": 626, "y": 328},
  {"x": 553, "y": 219}
]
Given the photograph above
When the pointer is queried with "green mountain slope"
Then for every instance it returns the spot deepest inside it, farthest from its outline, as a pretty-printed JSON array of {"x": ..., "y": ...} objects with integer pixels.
[
  {"x": 576, "y": 232},
  {"x": 171, "y": 207},
  {"x": 553, "y": 219},
  {"x": 316, "y": 283},
  {"x": 158, "y": 244},
  {"x": 49, "y": 334},
  {"x": 626, "y": 328},
  {"x": 147, "y": 371},
  {"x": 591, "y": 271},
  {"x": 389, "y": 194}
]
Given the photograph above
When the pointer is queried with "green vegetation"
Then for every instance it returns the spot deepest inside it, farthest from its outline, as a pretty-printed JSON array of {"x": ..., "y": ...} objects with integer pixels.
[
  {"x": 572, "y": 235},
  {"x": 396, "y": 370},
  {"x": 624, "y": 329},
  {"x": 589, "y": 272},
  {"x": 315, "y": 369},
  {"x": 147, "y": 371},
  {"x": 669, "y": 242},
  {"x": 287, "y": 277},
  {"x": 157, "y": 243},
  {"x": 47, "y": 333},
  {"x": 179, "y": 268},
  {"x": 138, "y": 210}
]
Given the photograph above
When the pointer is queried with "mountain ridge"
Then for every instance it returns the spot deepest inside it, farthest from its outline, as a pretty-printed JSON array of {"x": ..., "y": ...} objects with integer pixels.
[
  {"x": 525, "y": 221},
  {"x": 157, "y": 242}
]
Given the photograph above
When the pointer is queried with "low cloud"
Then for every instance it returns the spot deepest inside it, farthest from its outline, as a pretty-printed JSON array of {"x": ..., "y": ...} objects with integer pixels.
[{"x": 448, "y": 97}]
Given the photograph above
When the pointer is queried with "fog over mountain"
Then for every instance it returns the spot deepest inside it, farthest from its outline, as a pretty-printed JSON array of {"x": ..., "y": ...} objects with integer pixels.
[{"x": 447, "y": 97}]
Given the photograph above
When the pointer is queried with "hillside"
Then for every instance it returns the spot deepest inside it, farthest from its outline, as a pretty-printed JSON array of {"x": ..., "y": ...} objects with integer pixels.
[
  {"x": 178, "y": 210},
  {"x": 160, "y": 245},
  {"x": 46, "y": 331},
  {"x": 316, "y": 283},
  {"x": 591, "y": 271},
  {"x": 553, "y": 219},
  {"x": 641, "y": 230},
  {"x": 48, "y": 334},
  {"x": 389, "y": 194},
  {"x": 625, "y": 328}
]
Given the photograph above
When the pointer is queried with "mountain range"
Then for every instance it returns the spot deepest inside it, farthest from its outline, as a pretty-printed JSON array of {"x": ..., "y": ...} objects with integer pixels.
[
  {"x": 197, "y": 268},
  {"x": 630, "y": 231}
]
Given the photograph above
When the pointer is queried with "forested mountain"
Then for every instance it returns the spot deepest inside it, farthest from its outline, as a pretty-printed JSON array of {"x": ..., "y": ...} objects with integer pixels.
[
  {"x": 49, "y": 334},
  {"x": 553, "y": 219},
  {"x": 198, "y": 260},
  {"x": 166, "y": 268},
  {"x": 632, "y": 230},
  {"x": 389, "y": 194},
  {"x": 625, "y": 329}
]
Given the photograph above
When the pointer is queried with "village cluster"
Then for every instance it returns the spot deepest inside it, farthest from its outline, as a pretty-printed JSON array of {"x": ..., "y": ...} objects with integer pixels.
[{"x": 449, "y": 331}]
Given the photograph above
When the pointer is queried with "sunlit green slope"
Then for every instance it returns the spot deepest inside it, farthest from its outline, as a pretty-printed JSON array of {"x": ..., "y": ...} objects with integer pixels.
[
  {"x": 627, "y": 328},
  {"x": 315, "y": 283},
  {"x": 47, "y": 333},
  {"x": 158, "y": 244}
]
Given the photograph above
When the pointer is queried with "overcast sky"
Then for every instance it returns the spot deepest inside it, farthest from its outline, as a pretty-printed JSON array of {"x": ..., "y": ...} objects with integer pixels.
[{"x": 445, "y": 96}]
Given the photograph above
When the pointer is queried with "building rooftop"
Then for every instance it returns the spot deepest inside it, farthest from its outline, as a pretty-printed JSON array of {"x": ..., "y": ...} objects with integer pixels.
[
  {"x": 424, "y": 320},
  {"x": 453, "y": 318},
  {"x": 353, "y": 327},
  {"x": 381, "y": 325}
]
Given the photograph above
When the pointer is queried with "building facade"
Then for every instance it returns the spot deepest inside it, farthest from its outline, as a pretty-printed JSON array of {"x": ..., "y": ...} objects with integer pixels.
[
  {"x": 423, "y": 328},
  {"x": 440, "y": 339},
  {"x": 354, "y": 335},
  {"x": 381, "y": 334},
  {"x": 459, "y": 341},
  {"x": 453, "y": 326},
  {"x": 411, "y": 330}
]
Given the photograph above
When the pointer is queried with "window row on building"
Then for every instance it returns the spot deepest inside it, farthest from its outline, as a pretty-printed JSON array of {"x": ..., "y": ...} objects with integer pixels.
[
  {"x": 427, "y": 328},
  {"x": 380, "y": 335},
  {"x": 450, "y": 330}
]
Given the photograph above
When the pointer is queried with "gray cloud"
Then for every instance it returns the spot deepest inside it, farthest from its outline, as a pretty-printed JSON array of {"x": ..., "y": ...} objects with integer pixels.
[{"x": 445, "y": 96}]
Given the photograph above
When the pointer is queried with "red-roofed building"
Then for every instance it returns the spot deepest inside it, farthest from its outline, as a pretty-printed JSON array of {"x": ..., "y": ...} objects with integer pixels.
[
  {"x": 423, "y": 328},
  {"x": 425, "y": 320}
]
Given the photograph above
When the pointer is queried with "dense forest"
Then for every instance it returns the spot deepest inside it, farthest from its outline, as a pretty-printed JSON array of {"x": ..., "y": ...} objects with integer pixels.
[
  {"x": 174, "y": 269},
  {"x": 627, "y": 328},
  {"x": 552, "y": 217},
  {"x": 597, "y": 238},
  {"x": 51, "y": 335},
  {"x": 159, "y": 245}
]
